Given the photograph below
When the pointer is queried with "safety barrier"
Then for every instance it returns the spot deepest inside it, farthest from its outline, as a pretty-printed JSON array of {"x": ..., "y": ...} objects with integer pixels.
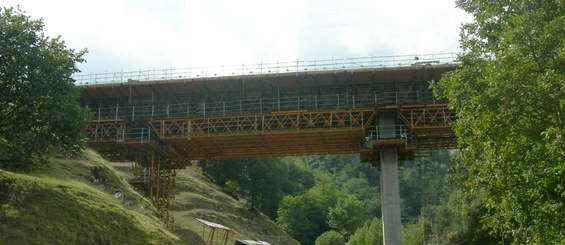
[{"x": 348, "y": 64}]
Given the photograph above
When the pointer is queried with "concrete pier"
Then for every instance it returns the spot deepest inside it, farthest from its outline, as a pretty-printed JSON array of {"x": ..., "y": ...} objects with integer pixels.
[{"x": 390, "y": 197}]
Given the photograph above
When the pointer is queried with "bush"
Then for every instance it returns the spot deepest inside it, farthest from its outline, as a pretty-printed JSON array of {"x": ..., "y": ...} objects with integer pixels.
[{"x": 330, "y": 238}]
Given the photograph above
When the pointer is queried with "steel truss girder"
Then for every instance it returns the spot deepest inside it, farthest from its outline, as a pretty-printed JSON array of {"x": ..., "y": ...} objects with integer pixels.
[
  {"x": 101, "y": 131},
  {"x": 427, "y": 116},
  {"x": 255, "y": 124},
  {"x": 430, "y": 125}
]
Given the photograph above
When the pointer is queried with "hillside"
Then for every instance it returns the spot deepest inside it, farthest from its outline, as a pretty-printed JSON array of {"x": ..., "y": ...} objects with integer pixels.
[
  {"x": 196, "y": 197},
  {"x": 86, "y": 200},
  {"x": 76, "y": 201}
]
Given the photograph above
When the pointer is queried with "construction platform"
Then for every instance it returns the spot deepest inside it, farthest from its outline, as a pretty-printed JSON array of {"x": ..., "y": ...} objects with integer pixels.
[{"x": 161, "y": 125}]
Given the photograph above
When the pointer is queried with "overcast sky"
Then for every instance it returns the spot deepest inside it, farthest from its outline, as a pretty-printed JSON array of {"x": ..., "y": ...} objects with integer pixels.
[{"x": 146, "y": 34}]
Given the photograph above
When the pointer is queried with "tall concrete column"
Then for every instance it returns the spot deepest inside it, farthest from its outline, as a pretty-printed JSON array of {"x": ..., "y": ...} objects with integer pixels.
[
  {"x": 390, "y": 197},
  {"x": 390, "y": 189}
]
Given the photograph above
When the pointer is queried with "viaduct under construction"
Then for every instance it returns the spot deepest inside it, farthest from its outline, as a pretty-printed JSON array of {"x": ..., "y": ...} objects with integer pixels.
[{"x": 380, "y": 108}]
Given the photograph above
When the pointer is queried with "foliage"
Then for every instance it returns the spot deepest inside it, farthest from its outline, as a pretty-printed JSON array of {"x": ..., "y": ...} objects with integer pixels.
[
  {"x": 338, "y": 193},
  {"x": 412, "y": 232},
  {"x": 422, "y": 182},
  {"x": 330, "y": 238},
  {"x": 364, "y": 191},
  {"x": 301, "y": 218},
  {"x": 509, "y": 97},
  {"x": 342, "y": 197},
  {"x": 370, "y": 233},
  {"x": 38, "y": 107},
  {"x": 347, "y": 215},
  {"x": 262, "y": 182}
]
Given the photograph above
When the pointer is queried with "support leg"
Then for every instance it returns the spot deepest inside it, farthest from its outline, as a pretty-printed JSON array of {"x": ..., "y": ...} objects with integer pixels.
[{"x": 390, "y": 197}]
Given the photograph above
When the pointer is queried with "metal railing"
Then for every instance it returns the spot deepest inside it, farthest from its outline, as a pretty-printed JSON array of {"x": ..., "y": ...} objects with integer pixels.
[
  {"x": 264, "y": 105},
  {"x": 387, "y": 132},
  {"x": 349, "y": 64},
  {"x": 122, "y": 134},
  {"x": 396, "y": 131}
]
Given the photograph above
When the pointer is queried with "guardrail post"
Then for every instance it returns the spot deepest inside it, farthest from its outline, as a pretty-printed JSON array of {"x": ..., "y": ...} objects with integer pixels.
[
  {"x": 338, "y": 101},
  {"x": 162, "y": 128},
  {"x": 261, "y": 105},
  {"x": 142, "y": 132},
  {"x": 117, "y": 109},
  {"x": 316, "y": 102}
]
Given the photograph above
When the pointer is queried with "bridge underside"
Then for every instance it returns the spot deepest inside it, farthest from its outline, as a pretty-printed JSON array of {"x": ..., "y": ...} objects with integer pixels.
[{"x": 272, "y": 145}]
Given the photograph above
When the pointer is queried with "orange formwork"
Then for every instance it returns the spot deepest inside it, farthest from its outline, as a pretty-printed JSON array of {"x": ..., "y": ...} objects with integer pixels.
[
  {"x": 430, "y": 125},
  {"x": 266, "y": 135}
]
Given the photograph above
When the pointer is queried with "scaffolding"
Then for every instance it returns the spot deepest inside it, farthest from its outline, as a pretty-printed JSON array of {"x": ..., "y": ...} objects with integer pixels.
[
  {"x": 155, "y": 177},
  {"x": 223, "y": 107},
  {"x": 161, "y": 125}
]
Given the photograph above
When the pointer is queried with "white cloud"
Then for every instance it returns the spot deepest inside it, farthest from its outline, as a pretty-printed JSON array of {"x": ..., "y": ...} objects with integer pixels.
[{"x": 131, "y": 35}]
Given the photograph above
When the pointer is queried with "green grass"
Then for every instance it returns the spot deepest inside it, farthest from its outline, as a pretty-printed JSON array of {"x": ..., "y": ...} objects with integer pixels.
[
  {"x": 87, "y": 201},
  {"x": 65, "y": 204},
  {"x": 198, "y": 198}
]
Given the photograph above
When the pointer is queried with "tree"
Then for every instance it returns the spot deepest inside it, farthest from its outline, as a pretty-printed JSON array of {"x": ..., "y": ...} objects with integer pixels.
[
  {"x": 305, "y": 217},
  {"x": 330, "y": 238},
  {"x": 38, "y": 107},
  {"x": 301, "y": 218},
  {"x": 370, "y": 233},
  {"x": 367, "y": 194},
  {"x": 347, "y": 215},
  {"x": 509, "y": 96},
  {"x": 412, "y": 233}
]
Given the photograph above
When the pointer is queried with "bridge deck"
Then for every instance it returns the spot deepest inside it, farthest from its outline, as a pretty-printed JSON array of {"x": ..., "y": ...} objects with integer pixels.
[{"x": 267, "y": 115}]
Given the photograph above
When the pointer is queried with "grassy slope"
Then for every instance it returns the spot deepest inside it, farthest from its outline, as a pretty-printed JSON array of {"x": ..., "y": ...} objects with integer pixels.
[
  {"x": 67, "y": 203},
  {"x": 196, "y": 197}
]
